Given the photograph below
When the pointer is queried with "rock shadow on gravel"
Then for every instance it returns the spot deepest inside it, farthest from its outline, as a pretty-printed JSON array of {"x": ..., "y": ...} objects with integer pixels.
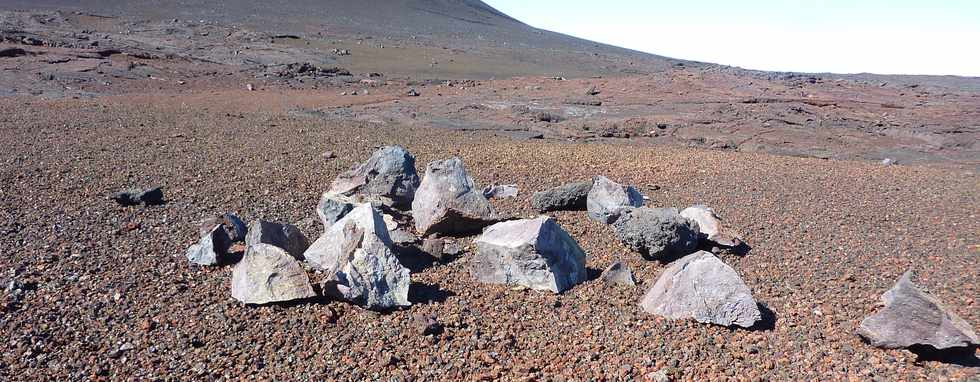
[
  {"x": 413, "y": 258},
  {"x": 422, "y": 293},
  {"x": 768, "y": 321},
  {"x": 965, "y": 357}
]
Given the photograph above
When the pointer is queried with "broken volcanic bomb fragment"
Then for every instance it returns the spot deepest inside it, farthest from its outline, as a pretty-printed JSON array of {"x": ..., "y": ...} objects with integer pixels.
[
  {"x": 357, "y": 256},
  {"x": 711, "y": 226},
  {"x": 535, "y": 253},
  {"x": 607, "y": 199},
  {"x": 448, "y": 202},
  {"x": 282, "y": 235},
  {"x": 268, "y": 274},
  {"x": 702, "y": 287},
  {"x": 567, "y": 197},
  {"x": 388, "y": 177},
  {"x": 657, "y": 232}
]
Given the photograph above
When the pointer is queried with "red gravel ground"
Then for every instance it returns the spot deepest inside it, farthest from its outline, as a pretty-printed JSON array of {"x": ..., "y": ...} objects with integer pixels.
[{"x": 827, "y": 237}]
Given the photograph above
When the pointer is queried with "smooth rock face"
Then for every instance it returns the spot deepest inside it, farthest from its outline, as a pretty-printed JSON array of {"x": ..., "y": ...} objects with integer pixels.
[
  {"x": 212, "y": 248},
  {"x": 657, "y": 232},
  {"x": 568, "y": 197},
  {"x": 388, "y": 177},
  {"x": 333, "y": 207},
  {"x": 535, "y": 253},
  {"x": 913, "y": 317},
  {"x": 702, "y": 287},
  {"x": 711, "y": 226},
  {"x": 618, "y": 273},
  {"x": 359, "y": 261},
  {"x": 608, "y": 199},
  {"x": 268, "y": 274},
  {"x": 285, "y": 236},
  {"x": 448, "y": 203}
]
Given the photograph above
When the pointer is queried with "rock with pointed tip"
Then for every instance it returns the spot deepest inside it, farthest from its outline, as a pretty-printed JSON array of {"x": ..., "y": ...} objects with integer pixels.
[
  {"x": 448, "y": 202},
  {"x": 533, "y": 253},
  {"x": 657, "y": 232},
  {"x": 702, "y": 287},
  {"x": 212, "y": 248},
  {"x": 268, "y": 274},
  {"x": 358, "y": 257},
  {"x": 608, "y": 199},
  {"x": 282, "y": 235},
  {"x": 388, "y": 177},
  {"x": 567, "y": 197},
  {"x": 711, "y": 226},
  {"x": 912, "y": 317},
  {"x": 618, "y": 273},
  {"x": 232, "y": 225},
  {"x": 333, "y": 207}
]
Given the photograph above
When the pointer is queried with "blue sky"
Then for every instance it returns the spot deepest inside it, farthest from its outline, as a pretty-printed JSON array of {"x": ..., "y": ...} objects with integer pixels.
[{"x": 878, "y": 36}]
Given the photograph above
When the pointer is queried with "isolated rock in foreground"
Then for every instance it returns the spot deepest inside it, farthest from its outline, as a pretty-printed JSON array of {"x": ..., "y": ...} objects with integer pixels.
[
  {"x": 657, "y": 232},
  {"x": 361, "y": 266},
  {"x": 333, "y": 207},
  {"x": 388, "y": 177},
  {"x": 608, "y": 199},
  {"x": 285, "y": 236},
  {"x": 912, "y": 317},
  {"x": 702, "y": 287},
  {"x": 711, "y": 226},
  {"x": 568, "y": 197},
  {"x": 535, "y": 253},
  {"x": 448, "y": 203},
  {"x": 151, "y": 197},
  {"x": 268, "y": 274},
  {"x": 212, "y": 248},
  {"x": 618, "y": 273}
]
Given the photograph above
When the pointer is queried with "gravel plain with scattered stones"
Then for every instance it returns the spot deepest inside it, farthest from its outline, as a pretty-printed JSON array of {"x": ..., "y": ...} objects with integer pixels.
[{"x": 109, "y": 294}]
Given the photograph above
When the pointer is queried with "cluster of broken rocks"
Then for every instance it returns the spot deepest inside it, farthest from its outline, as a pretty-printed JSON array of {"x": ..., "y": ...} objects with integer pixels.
[{"x": 369, "y": 212}]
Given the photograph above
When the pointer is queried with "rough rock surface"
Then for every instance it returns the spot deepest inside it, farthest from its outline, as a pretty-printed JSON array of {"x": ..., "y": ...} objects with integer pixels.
[
  {"x": 657, "y": 232},
  {"x": 702, "y": 287},
  {"x": 535, "y": 253},
  {"x": 268, "y": 274},
  {"x": 232, "y": 225},
  {"x": 447, "y": 202},
  {"x": 711, "y": 226},
  {"x": 607, "y": 199},
  {"x": 388, "y": 177},
  {"x": 333, "y": 207},
  {"x": 618, "y": 273},
  {"x": 361, "y": 266},
  {"x": 212, "y": 248},
  {"x": 285, "y": 236},
  {"x": 912, "y": 317},
  {"x": 567, "y": 197},
  {"x": 151, "y": 197},
  {"x": 500, "y": 191}
]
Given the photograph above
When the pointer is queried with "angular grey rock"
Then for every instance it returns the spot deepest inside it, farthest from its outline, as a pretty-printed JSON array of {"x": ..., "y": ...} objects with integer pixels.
[
  {"x": 268, "y": 274},
  {"x": 657, "y": 232},
  {"x": 568, "y": 197},
  {"x": 388, "y": 177},
  {"x": 912, "y": 317},
  {"x": 285, "y": 236},
  {"x": 212, "y": 248},
  {"x": 702, "y": 287},
  {"x": 500, "y": 191},
  {"x": 711, "y": 226},
  {"x": 608, "y": 199},
  {"x": 333, "y": 207},
  {"x": 618, "y": 273},
  {"x": 232, "y": 225},
  {"x": 535, "y": 253},
  {"x": 361, "y": 267},
  {"x": 448, "y": 203}
]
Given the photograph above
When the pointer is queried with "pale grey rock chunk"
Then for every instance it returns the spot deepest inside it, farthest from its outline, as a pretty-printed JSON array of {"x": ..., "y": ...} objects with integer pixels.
[
  {"x": 333, "y": 207},
  {"x": 567, "y": 197},
  {"x": 608, "y": 199},
  {"x": 702, "y": 287},
  {"x": 618, "y": 273},
  {"x": 534, "y": 253},
  {"x": 711, "y": 226},
  {"x": 388, "y": 177},
  {"x": 212, "y": 248},
  {"x": 356, "y": 254},
  {"x": 657, "y": 232},
  {"x": 448, "y": 203},
  {"x": 268, "y": 274},
  {"x": 912, "y": 317},
  {"x": 285, "y": 236},
  {"x": 500, "y": 191}
]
